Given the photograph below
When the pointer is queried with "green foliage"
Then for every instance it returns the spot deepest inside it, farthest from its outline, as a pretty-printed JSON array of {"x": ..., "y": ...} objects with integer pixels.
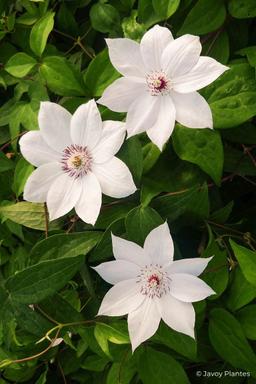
[{"x": 202, "y": 183}]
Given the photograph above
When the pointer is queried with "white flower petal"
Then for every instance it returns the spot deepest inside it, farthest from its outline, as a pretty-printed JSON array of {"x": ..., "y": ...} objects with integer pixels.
[
  {"x": 121, "y": 299},
  {"x": 189, "y": 288},
  {"x": 115, "y": 178},
  {"x": 181, "y": 55},
  {"x": 86, "y": 125},
  {"x": 192, "y": 110},
  {"x": 125, "y": 56},
  {"x": 152, "y": 46},
  {"x": 35, "y": 150},
  {"x": 142, "y": 114},
  {"x": 89, "y": 204},
  {"x": 129, "y": 251},
  {"x": 178, "y": 315},
  {"x": 110, "y": 142},
  {"x": 118, "y": 270},
  {"x": 40, "y": 181},
  {"x": 63, "y": 195},
  {"x": 194, "y": 266},
  {"x": 162, "y": 129},
  {"x": 204, "y": 72},
  {"x": 122, "y": 92},
  {"x": 158, "y": 245},
  {"x": 54, "y": 123},
  {"x": 143, "y": 322}
]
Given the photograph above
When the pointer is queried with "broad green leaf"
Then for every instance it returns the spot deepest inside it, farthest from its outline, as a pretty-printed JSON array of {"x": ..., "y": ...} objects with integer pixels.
[
  {"x": 165, "y": 8},
  {"x": 232, "y": 97},
  {"x": 95, "y": 363},
  {"x": 131, "y": 154},
  {"x": 229, "y": 341},
  {"x": 156, "y": 367},
  {"x": 146, "y": 13},
  {"x": 100, "y": 74},
  {"x": 139, "y": 222},
  {"x": 202, "y": 147},
  {"x": 218, "y": 48},
  {"x": 240, "y": 291},
  {"x": 246, "y": 317},
  {"x": 191, "y": 204},
  {"x": 151, "y": 154},
  {"x": 40, "y": 32},
  {"x": 122, "y": 373},
  {"x": 222, "y": 214},
  {"x": 22, "y": 171},
  {"x": 64, "y": 245},
  {"x": 37, "y": 282},
  {"x": 62, "y": 77},
  {"x": 250, "y": 53},
  {"x": 20, "y": 64},
  {"x": 104, "y": 17},
  {"x": 206, "y": 16},
  {"x": 5, "y": 163},
  {"x": 31, "y": 215},
  {"x": 247, "y": 261},
  {"x": 183, "y": 344},
  {"x": 242, "y": 9}
]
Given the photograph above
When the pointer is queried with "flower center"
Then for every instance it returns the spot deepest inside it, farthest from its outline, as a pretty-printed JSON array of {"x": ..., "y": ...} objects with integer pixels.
[
  {"x": 158, "y": 83},
  {"x": 154, "y": 281},
  {"x": 76, "y": 160}
]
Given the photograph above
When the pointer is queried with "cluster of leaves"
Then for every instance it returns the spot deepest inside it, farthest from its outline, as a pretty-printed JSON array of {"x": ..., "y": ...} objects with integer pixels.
[{"x": 203, "y": 184}]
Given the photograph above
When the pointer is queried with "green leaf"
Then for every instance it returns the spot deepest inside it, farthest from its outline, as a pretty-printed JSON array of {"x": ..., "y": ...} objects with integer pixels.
[
  {"x": 206, "y": 16},
  {"x": 229, "y": 341},
  {"x": 62, "y": 77},
  {"x": 157, "y": 368},
  {"x": 151, "y": 154},
  {"x": 37, "y": 282},
  {"x": 232, "y": 97},
  {"x": 191, "y": 204},
  {"x": 30, "y": 215},
  {"x": 104, "y": 17},
  {"x": 115, "y": 333},
  {"x": 100, "y": 74},
  {"x": 5, "y": 163},
  {"x": 247, "y": 261},
  {"x": 95, "y": 363},
  {"x": 140, "y": 221},
  {"x": 240, "y": 291},
  {"x": 131, "y": 28},
  {"x": 20, "y": 64},
  {"x": 22, "y": 171},
  {"x": 242, "y": 9},
  {"x": 40, "y": 32},
  {"x": 165, "y": 8},
  {"x": 246, "y": 317},
  {"x": 146, "y": 13},
  {"x": 64, "y": 245},
  {"x": 131, "y": 154},
  {"x": 218, "y": 48},
  {"x": 202, "y": 147},
  {"x": 121, "y": 373},
  {"x": 183, "y": 344},
  {"x": 222, "y": 214},
  {"x": 237, "y": 162}
]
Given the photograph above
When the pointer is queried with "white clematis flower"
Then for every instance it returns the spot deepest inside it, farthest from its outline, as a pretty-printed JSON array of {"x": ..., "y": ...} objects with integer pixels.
[
  {"x": 150, "y": 286},
  {"x": 75, "y": 160},
  {"x": 161, "y": 77}
]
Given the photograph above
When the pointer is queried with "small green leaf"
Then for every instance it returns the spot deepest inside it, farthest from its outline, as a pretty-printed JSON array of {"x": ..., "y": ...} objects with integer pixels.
[
  {"x": 247, "y": 261},
  {"x": 37, "y": 282},
  {"x": 156, "y": 367},
  {"x": 116, "y": 333},
  {"x": 206, "y": 16},
  {"x": 140, "y": 221},
  {"x": 20, "y": 64},
  {"x": 165, "y": 8},
  {"x": 22, "y": 171},
  {"x": 99, "y": 74},
  {"x": 104, "y": 17},
  {"x": 202, "y": 147},
  {"x": 229, "y": 341},
  {"x": 40, "y": 32},
  {"x": 62, "y": 77},
  {"x": 242, "y": 9},
  {"x": 131, "y": 28}
]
